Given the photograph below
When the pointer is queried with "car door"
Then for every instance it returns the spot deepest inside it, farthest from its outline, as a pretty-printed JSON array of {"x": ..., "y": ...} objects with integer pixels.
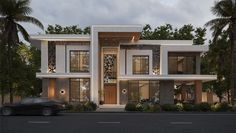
[
  {"x": 38, "y": 105},
  {"x": 25, "y": 106}
]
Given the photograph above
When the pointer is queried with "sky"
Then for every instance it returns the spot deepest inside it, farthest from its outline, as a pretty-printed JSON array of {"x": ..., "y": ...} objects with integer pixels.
[{"x": 90, "y": 12}]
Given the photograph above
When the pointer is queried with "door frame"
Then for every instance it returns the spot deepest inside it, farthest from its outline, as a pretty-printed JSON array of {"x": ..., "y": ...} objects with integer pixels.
[{"x": 109, "y": 50}]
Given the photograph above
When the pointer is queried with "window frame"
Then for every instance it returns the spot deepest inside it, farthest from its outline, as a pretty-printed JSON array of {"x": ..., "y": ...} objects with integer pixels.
[
  {"x": 140, "y": 73},
  {"x": 78, "y": 51},
  {"x": 79, "y": 83},
  {"x": 185, "y": 68}
]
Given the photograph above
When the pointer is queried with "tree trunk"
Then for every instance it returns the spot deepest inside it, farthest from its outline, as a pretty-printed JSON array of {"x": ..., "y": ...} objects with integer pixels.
[
  {"x": 228, "y": 95},
  {"x": 233, "y": 63},
  {"x": 9, "y": 73},
  {"x": 2, "y": 97}
]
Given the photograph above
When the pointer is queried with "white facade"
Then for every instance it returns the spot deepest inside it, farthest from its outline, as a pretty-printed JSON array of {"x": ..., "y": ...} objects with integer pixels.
[{"x": 93, "y": 44}]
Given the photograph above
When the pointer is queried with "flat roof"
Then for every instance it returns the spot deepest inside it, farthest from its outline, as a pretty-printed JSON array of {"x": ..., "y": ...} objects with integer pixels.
[
  {"x": 161, "y": 42},
  {"x": 183, "y": 77},
  {"x": 118, "y": 25},
  {"x": 60, "y": 37}
]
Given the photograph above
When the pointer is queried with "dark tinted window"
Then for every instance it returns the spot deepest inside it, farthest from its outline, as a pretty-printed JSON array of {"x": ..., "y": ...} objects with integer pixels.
[
  {"x": 27, "y": 101},
  {"x": 40, "y": 100}
]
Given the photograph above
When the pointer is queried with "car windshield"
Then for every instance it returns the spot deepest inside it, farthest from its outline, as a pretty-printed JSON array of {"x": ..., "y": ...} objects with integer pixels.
[{"x": 27, "y": 101}]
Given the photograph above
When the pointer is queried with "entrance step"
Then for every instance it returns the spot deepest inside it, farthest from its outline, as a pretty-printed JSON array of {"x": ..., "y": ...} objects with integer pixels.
[{"x": 111, "y": 108}]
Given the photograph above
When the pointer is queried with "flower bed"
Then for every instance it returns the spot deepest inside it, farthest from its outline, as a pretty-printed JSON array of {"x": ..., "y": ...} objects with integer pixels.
[
  {"x": 201, "y": 107},
  {"x": 81, "y": 107}
]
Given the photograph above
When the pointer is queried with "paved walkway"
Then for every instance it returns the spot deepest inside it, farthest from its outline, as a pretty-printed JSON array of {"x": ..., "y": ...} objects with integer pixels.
[{"x": 111, "y": 108}]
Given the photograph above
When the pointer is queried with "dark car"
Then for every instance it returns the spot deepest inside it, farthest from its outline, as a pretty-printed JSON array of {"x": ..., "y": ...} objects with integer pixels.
[{"x": 33, "y": 106}]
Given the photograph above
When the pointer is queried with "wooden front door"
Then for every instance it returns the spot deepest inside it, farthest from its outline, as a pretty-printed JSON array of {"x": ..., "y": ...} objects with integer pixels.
[{"x": 110, "y": 93}]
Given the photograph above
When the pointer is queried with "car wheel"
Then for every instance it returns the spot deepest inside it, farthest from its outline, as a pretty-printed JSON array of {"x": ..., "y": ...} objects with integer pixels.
[
  {"x": 47, "y": 112},
  {"x": 6, "y": 111}
]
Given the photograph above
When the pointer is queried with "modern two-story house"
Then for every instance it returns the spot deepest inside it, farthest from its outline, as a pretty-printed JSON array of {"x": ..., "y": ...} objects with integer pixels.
[{"x": 113, "y": 66}]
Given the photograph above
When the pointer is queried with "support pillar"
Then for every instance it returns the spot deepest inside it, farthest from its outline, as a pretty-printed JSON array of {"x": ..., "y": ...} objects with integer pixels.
[
  {"x": 198, "y": 91},
  {"x": 167, "y": 92}
]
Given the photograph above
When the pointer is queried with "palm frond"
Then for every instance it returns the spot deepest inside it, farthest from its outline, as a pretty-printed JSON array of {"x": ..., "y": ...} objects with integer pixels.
[
  {"x": 22, "y": 7},
  {"x": 6, "y": 7},
  {"x": 23, "y": 3},
  {"x": 23, "y": 32},
  {"x": 218, "y": 21},
  {"x": 217, "y": 25},
  {"x": 29, "y": 19},
  {"x": 223, "y": 8}
]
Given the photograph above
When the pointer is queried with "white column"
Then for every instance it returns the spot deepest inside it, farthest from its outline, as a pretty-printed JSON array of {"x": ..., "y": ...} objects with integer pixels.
[
  {"x": 60, "y": 59},
  {"x": 44, "y": 56},
  {"x": 163, "y": 61},
  {"x": 94, "y": 66}
]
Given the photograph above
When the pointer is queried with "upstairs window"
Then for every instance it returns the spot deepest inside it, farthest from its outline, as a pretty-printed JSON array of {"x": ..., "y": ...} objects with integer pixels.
[
  {"x": 181, "y": 63},
  {"x": 79, "y": 61},
  {"x": 140, "y": 64}
]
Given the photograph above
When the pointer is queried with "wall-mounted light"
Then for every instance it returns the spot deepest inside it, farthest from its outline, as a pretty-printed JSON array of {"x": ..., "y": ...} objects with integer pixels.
[
  {"x": 133, "y": 39},
  {"x": 62, "y": 91}
]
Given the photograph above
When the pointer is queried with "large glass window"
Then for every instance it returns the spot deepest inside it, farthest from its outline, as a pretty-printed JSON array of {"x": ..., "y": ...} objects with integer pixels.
[
  {"x": 140, "y": 64},
  {"x": 143, "y": 90},
  {"x": 79, "y": 90},
  {"x": 79, "y": 61},
  {"x": 181, "y": 64},
  {"x": 133, "y": 91}
]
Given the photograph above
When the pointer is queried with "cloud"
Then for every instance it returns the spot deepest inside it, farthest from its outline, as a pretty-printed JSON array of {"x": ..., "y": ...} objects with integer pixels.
[{"x": 89, "y": 12}]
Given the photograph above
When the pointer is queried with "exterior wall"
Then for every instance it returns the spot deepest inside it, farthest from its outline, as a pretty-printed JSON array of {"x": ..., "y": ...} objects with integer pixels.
[
  {"x": 167, "y": 92},
  {"x": 123, "y": 92},
  {"x": 45, "y": 84},
  {"x": 62, "y": 85}
]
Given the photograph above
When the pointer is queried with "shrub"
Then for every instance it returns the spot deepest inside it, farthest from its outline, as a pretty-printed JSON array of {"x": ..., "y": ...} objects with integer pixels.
[
  {"x": 179, "y": 106},
  {"x": 130, "y": 107},
  {"x": 189, "y": 107},
  {"x": 222, "y": 107},
  {"x": 78, "y": 107},
  {"x": 233, "y": 108},
  {"x": 68, "y": 106},
  {"x": 90, "y": 106},
  {"x": 203, "y": 107},
  {"x": 154, "y": 108},
  {"x": 169, "y": 107},
  {"x": 139, "y": 107},
  {"x": 146, "y": 106}
]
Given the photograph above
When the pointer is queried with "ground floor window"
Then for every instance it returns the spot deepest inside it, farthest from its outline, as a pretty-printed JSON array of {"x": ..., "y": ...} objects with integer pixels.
[
  {"x": 139, "y": 90},
  {"x": 79, "y": 90}
]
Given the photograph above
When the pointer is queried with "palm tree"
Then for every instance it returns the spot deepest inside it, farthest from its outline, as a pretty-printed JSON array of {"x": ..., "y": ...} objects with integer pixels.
[
  {"x": 225, "y": 10},
  {"x": 12, "y": 13}
]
